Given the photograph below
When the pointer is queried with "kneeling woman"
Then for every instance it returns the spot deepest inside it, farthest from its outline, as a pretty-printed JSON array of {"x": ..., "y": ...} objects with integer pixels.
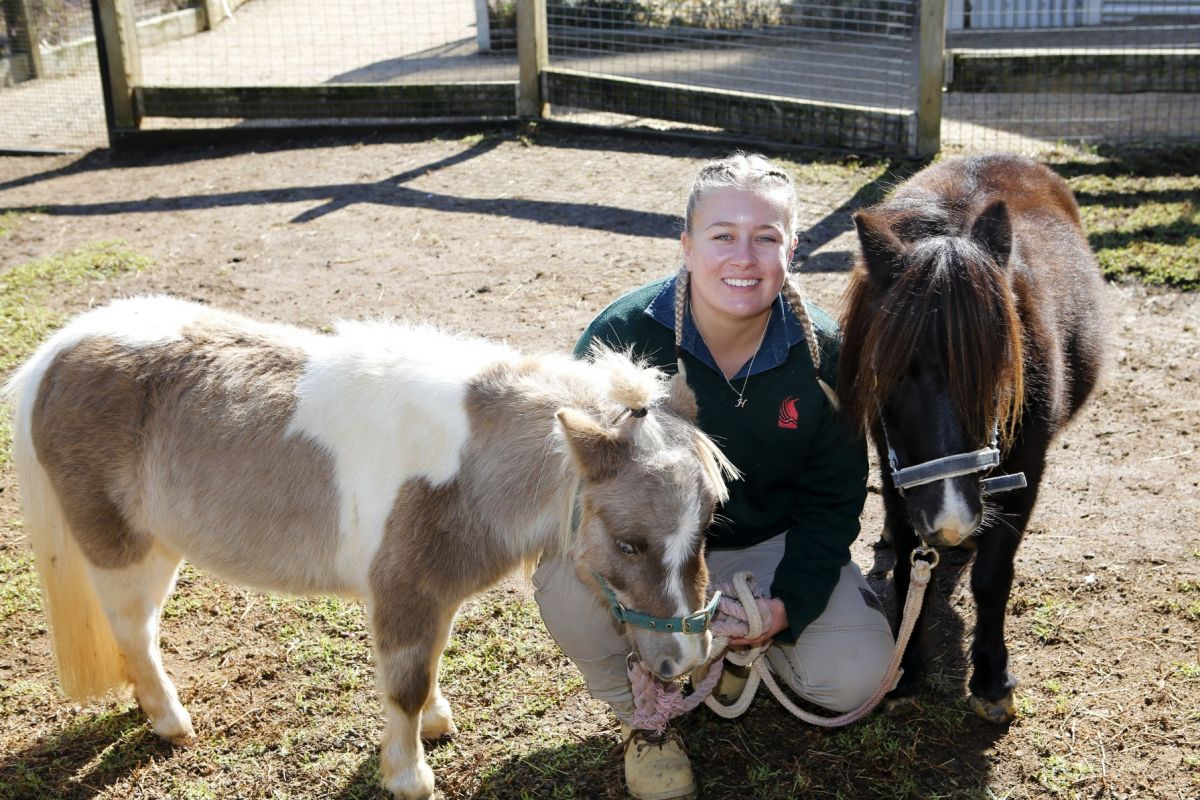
[{"x": 760, "y": 361}]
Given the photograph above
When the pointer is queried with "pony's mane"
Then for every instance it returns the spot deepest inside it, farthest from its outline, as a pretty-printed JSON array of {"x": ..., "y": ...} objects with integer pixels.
[{"x": 950, "y": 295}]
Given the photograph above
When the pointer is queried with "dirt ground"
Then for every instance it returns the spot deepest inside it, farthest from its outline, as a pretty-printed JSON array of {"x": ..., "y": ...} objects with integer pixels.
[{"x": 526, "y": 241}]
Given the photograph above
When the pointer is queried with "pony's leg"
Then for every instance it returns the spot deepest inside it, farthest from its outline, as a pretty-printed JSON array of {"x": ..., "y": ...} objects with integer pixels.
[
  {"x": 991, "y": 684},
  {"x": 408, "y": 650},
  {"x": 132, "y": 598},
  {"x": 437, "y": 720}
]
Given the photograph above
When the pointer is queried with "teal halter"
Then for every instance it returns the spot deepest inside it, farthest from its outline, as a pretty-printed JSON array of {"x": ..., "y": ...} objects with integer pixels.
[{"x": 692, "y": 623}]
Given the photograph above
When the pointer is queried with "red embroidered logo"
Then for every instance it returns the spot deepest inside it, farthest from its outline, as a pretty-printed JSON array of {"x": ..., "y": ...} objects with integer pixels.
[{"x": 788, "y": 417}]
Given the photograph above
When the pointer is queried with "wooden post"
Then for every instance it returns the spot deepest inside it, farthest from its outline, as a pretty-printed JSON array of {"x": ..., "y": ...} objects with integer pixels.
[
  {"x": 931, "y": 44},
  {"x": 483, "y": 26},
  {"x": 21, "y": 18},
  {"x": 118, "y": 26},
  {"x": 214, "y": 12},
  {"x": 533, "y": 56}
]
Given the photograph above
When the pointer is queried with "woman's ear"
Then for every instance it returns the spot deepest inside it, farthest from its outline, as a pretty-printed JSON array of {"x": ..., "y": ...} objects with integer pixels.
[{"x": 685, "y": 242}]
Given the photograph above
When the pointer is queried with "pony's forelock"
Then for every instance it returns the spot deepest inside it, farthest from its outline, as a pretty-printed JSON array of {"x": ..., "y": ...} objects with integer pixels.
[
  {"x": 632, "y": 384},
  {"x": 952, "y": 283}
]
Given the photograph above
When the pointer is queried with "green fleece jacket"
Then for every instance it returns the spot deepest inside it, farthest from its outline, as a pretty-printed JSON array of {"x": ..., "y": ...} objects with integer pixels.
[{"x": 802, "y": 470}]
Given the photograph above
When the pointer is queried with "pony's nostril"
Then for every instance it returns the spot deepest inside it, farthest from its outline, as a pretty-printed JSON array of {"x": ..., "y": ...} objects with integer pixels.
[{"x": 668, "y": 669}]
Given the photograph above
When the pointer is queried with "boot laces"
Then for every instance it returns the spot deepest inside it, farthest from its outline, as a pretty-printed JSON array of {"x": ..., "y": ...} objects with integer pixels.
[{"x": 642, "y": 740}]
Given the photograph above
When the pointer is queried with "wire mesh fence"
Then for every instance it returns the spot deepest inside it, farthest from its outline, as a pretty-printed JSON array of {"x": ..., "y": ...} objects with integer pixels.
[
  {"x": 305, "y": 60},
  {"x": 1019, "y": 74},
  {"x": 832, "y": 74},
  {"x": 1026, "y": 74},
  {"x": 50, "y": 93}
]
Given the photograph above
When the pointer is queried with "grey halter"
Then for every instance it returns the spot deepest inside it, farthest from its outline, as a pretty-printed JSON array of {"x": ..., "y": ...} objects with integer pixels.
[{"x": 953, "y": 466}]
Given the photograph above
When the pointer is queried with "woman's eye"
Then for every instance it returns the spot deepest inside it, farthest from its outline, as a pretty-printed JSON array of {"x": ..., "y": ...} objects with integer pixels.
[{"x": 628, "y": 548}]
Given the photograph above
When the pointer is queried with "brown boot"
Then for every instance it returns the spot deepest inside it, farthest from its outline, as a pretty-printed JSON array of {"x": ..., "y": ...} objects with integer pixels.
[
  {"x": 656, "y": 766},
  {"x": 732, "y": 683}
]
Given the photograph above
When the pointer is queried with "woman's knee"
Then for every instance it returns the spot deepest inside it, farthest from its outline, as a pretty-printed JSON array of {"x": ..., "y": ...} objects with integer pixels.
[
  {"x": 856, "y": 668},
  {"x": 837, "y": 670}
]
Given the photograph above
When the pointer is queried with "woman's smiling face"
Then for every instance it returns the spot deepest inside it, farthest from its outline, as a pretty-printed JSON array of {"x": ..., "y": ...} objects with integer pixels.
[{"x": 737, "y": 250}]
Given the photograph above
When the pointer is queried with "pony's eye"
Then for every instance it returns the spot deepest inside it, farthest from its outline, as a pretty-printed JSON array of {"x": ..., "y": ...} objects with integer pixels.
[{"x": 628, "y": 548}]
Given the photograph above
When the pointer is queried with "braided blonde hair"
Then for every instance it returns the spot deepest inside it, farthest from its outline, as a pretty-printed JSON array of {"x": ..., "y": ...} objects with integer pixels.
[{"x": 750, "y": 172}]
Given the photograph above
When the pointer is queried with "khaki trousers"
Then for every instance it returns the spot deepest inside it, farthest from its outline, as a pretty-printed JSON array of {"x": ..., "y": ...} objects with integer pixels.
[{"x": 837, "y": 662}]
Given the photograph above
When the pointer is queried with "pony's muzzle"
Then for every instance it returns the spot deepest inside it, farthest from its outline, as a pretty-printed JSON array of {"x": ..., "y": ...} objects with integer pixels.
[
  {"x": 946, "y": 512},
  {"x": 671, "y": 656}
]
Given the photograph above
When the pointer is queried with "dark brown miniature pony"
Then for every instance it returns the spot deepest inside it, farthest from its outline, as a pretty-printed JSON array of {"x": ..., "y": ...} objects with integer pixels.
[{"x": 973, "y": 332}]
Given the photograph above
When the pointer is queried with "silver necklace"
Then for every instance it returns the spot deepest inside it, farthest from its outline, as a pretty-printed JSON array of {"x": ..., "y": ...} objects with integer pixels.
[{"x": 741, "y": 398}]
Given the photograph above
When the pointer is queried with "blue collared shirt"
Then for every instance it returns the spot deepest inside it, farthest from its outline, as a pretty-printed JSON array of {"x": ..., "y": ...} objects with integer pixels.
[{"x": 784, "y": 331}]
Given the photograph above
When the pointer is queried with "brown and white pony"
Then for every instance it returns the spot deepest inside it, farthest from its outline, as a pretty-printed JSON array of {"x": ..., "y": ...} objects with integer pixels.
[
  {"x": 972, "y": 334},
  {"x": 397, "y": 464}
]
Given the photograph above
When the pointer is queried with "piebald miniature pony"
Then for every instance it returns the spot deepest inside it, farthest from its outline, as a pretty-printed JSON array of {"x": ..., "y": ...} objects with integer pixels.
[
  {"x": 973, "y": 333},
  {"x": 401, "y": 465}
]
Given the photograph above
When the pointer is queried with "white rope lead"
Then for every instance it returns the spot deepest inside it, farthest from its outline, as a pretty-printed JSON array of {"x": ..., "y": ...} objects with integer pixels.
[{"x": 655, "y": 705}]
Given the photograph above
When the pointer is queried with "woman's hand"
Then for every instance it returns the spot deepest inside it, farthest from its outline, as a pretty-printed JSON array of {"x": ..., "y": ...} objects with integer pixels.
[{"x": 778, "y": 622}]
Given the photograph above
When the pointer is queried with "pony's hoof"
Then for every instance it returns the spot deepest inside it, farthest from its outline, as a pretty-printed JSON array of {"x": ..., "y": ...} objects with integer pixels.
[
  {"x": 412, "y": 784},
  {"x": 177, "y": 730},
  {"x": 437, "y": 720},
  {"x": 1000, "y": 712},
  {"x": 437, "y": 727},
  {"x": 899, "y": 706}
]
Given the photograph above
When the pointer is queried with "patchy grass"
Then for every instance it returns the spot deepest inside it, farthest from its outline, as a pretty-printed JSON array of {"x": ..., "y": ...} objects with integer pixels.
[
  {"x": 1141, "y": 209},
  {"x": 1061, "y": 776},
  {"x": 9, "y": 221},
  {"x": 1048, "y": 618},
  {"x": 25, "y": 318},
  {"x": 283, "y": 690}
]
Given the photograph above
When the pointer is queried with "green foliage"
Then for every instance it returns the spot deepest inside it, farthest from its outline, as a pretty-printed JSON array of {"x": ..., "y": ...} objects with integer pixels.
[
  {"x": 18, "y": 585},
  {"x": 1185, "y": 670},
  {"x": 715, "y": 15},
  {"x": 502, "y": 13},
  {"x": 1060, "y": 776},
  {"x": 8, "y": 223},
  {"x": 1049, "y": 617}
]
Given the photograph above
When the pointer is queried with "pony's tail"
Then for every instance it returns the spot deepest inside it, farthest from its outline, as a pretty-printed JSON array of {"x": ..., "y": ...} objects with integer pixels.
[{"x": 89, "y": 662}]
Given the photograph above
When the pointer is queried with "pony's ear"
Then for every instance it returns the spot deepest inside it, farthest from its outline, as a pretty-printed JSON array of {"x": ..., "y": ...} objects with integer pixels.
[
  {"x": 882, "y": 251},
  {"x": 598, "y": 451},
  {"x": 993, "y": 232},
  {"x": 681, "y": 400}
]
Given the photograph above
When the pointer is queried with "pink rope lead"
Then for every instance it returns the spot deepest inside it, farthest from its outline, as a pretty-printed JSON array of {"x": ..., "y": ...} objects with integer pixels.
[{"x": 655, "y": 705}]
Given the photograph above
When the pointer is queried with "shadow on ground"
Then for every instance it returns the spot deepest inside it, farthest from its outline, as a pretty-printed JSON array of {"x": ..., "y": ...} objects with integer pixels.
[
  {"x": 934, "y": 746},
  {"x": 82, "y": 761}
]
